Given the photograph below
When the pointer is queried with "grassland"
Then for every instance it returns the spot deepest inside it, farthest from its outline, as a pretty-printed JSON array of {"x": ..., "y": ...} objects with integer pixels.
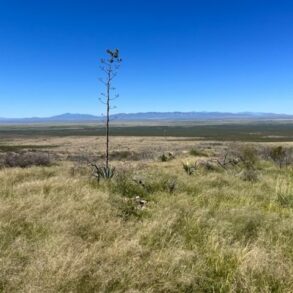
[
  {"x": 223, "y": 131},
  {"x": 212, "y": 231}
]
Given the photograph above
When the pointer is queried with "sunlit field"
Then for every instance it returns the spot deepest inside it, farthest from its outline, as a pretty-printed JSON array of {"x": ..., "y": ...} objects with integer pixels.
[
  {"x": 174, "y": 217},
  {"x": 146, "y": 147}
]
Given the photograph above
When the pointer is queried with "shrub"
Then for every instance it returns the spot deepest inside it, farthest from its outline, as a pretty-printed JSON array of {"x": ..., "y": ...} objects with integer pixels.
[
  {"x": 227, "y": 160},
  {"x": 278, "y": 155},
  {"x": 249, "y": 157},
  {"x": 124, "y": 185},
  {"x": 197, "y": 153},
  {"x": 163, "y": 158},
  {"x": 265, "y": 153},
  {"x": 207, "y": 165},
  {"x": 26, "y": 159},
  {"x": 168, "y": 157}
]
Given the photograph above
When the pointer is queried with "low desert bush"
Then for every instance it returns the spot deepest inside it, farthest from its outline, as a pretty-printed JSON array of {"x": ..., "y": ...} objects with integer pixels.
[
  {"x": 167, "y": 157},
  {"x": 227, "y": 161},
  {"x": 207, "y": 165},
  {"x": 248, "y": 156},
  {"x": 281, "y": 156},
  {"x": 197, "y": 153},
  {"x": 26, "y": 159},
  {"x": 241, "y": 159},
  {"x": 126, "y": 186},
  {"x": 264, "y": 153}
]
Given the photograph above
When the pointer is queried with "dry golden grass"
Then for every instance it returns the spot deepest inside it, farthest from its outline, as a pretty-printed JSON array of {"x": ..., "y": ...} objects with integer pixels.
[
  {"x": 60, "y": 231},
  {"x": 93, "y": 146}
]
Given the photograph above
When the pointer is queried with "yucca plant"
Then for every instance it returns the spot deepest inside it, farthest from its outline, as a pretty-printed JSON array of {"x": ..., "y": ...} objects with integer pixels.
[
  {"x": 104, "y": 172},
  {"x": 189, "y": 168}
]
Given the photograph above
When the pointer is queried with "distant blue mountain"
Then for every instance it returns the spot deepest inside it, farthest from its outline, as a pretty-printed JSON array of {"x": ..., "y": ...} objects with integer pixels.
[
  {"x": 153, "y": 116},
  {"x": 72, "y": 117},
  {"x": 67, "y": 117}
]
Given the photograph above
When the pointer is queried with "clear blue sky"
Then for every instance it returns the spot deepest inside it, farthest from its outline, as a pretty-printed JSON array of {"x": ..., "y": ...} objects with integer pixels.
[{"x": 177, "y": 55}]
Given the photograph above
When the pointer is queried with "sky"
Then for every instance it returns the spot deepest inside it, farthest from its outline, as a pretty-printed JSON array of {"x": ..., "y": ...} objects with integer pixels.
[{"x": 200, "y": 55}]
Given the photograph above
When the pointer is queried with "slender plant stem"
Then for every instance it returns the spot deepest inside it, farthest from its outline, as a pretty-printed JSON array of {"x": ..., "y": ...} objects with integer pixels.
[{"x": 108, "y": 118}]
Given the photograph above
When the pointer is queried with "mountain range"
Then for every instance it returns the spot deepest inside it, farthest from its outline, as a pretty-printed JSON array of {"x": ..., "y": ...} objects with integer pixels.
[{"x": 152, "y": 116}]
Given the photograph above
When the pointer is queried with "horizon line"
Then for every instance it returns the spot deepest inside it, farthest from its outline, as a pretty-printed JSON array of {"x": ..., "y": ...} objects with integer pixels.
[{"x": 148, "y": 112}]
